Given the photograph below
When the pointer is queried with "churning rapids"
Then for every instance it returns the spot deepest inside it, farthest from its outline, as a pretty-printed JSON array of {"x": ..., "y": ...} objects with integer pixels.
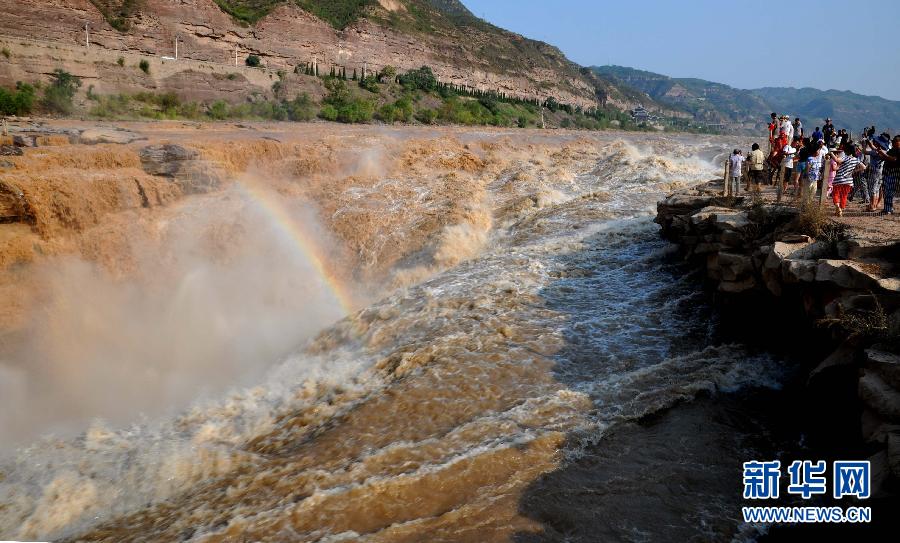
[{"x": 491, "y": 392}]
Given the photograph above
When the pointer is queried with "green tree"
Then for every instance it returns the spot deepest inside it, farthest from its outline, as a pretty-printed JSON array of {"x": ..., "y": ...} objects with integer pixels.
[
  {"x": 144, "y": 65},
  {"x": 218, "y": 110},
  {"x": 388, "y": 73},
  {"x": 300, "y": 108},
  {"x": 59, "y": 94},
  {"x": 19, "y": 102},
  {"x": 253, "y": 61},
  {"x": 420, "y": 79}
]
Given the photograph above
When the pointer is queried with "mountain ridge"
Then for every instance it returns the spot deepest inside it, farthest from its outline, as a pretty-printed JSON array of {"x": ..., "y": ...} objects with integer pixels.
[{"x": 748, "y": 109}]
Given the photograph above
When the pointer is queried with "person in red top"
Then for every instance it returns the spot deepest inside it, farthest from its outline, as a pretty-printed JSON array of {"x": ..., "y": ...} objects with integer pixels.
[{"x": 773, "y": 132}]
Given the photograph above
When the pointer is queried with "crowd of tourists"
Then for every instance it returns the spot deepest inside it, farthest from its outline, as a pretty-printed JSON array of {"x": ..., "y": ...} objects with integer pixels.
[{"x": 866, "y": 170}]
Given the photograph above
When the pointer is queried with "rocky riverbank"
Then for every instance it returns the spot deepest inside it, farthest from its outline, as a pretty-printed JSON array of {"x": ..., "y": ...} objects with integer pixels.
[{"x": 837, "y": 282}]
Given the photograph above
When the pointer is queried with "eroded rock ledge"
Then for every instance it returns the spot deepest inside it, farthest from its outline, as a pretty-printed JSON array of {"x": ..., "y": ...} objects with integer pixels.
[{"x": 846, "y": 281}]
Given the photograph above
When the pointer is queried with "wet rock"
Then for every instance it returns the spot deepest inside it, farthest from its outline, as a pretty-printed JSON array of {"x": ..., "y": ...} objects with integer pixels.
[
  {"x": 92, "y": 136},
  {"x": 879, "y": 396},
  {"x": 23, "y": 141},
  {"x": 166, "y": 160},
  {"x": 194, "y": 176},
  {"x": 13, "y": 207},
  {"x": 199, "y": 177},
  {"x": 10, "y": 150}
]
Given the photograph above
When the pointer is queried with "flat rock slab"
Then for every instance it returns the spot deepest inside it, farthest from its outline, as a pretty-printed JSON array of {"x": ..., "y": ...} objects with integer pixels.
[{"x": 93, "y": 136}]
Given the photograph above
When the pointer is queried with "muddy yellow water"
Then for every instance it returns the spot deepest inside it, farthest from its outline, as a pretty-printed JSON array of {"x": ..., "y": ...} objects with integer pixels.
[{"x": 361, "y": 335}]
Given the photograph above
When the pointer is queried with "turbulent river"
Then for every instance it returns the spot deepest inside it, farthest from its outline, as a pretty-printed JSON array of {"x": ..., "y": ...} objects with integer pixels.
[{"x": 523, "y": 391}]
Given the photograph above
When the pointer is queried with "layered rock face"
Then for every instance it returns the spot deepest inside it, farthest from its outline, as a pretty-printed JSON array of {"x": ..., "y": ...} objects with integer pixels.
[
  {"x": 286, "y": 37},
  {"x": 849, "y": 284}
]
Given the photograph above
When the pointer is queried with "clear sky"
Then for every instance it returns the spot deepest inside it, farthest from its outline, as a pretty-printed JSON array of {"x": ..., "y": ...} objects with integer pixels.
[{"x": 824, "y": 44}]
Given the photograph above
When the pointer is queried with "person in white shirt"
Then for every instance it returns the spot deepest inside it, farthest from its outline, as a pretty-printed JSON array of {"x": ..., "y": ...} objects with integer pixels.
[
  {"x": 733, "y": 183},
  {"x": 787, "y": 169},
  {"x": 787, "y": 126}
]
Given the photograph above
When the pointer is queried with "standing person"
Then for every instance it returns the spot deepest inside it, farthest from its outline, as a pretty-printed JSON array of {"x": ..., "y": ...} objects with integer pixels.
[
  {"x": 847, "y": 164},
  {"x": 798, "y": 128},
  {"x": 817, "y": 135},
  {"x": 734, "y": 181},
  {"x": 859, "y": 176},
  {"x": 874, "y": 171},
  {"x": 814, "y": 169},
  {"x": 787, "y": 127},
  {"x": 828, "y": 132},
  {"x": 891, "y": 173},
  {"x": 773, "y": 131},
  {"x": 756, "y": 162},
  {"x": 804, "y": 150},
  {"x": 787, "y": 169}
]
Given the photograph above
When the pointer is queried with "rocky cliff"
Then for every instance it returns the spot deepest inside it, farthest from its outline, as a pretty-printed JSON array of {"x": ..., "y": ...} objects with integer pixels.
[
  {"x": 840, "y": 291},
  {"x": 460, "y": 48}
]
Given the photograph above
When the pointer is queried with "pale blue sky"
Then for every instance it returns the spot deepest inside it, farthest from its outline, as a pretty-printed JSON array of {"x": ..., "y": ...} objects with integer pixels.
[{"x": 823, "y": 43}]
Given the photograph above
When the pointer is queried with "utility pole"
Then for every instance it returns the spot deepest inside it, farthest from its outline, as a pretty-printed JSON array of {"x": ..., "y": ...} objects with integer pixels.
[
  {"x": 176, "y": 46},
  {"x": 235, "y": 54},
  {"x": 365, "y": 66},
  {"x": 87, "y": 36}
]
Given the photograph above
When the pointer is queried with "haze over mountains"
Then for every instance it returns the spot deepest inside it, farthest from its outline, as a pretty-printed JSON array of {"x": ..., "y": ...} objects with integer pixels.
[{"x": 739, "y": 109}]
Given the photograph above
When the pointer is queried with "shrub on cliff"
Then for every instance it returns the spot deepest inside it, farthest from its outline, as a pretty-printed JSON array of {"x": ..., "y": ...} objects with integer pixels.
[
  {"x": 218, "y": 110},
  {"x": 328, "y": 112},
  {"x": 388, "y": 73},
  {"x": 59, "y": 94},
  {"x": 252, "y": 61},
  {"x": 426, "y": 116},
  {"x": 300, "y": 108},
  {"x": 18, "y": 102},
  {"x": 144, "y": 65},
  {"x": 369, "y": 83},
  {"x": 421, "y": 79}
]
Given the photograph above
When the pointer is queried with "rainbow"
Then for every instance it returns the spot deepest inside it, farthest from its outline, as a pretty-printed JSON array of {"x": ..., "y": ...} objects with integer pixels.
[{"x": 303, "y": 243}]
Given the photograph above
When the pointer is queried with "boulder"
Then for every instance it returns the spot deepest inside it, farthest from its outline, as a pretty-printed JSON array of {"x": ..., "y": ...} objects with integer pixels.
[
  {"x": 734, "y": 266},
  {"x": 885, "y": 364},
  {"x": 23, "y": 141},
  {"x": 879, "y": 396},
  {"x": 846, "y": 274},
  {"x": 798, "y": 271},
  {"x": 857, "y": 248},
  {"x": 92, "y": 136},
  {"x": 166, "y": 159},
  {"x": 724, "y": 218},
  {"x": 194, "y": 176},
  {"x": 782, "y": 250},
  {"x": 197, "y": 177}
]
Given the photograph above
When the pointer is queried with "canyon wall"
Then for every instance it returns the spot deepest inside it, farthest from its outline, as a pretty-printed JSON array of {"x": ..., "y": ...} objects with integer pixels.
[{"x": 286, "y": 37}]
